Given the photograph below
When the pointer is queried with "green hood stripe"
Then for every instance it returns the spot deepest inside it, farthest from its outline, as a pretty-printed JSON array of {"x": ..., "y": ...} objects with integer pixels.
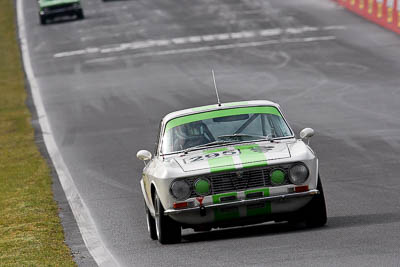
[
  {"x": 248, "y": 158},
  {"x": 216, "y": 150},
  {"x": 251, "y": 158},
  {"x": 220, "y": 113},
  {"x": 220, "y": 164}
]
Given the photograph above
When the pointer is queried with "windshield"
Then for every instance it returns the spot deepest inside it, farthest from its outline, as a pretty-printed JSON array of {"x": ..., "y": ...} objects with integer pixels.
[{"x": 221, "y": 126}]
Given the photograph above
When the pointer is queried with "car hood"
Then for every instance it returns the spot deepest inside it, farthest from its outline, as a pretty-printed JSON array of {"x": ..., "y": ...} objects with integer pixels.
[{"x": 233, "y": 157}]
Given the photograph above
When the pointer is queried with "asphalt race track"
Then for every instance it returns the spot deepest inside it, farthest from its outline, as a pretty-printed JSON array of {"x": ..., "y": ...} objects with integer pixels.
[{"x": 106, "y": 81}]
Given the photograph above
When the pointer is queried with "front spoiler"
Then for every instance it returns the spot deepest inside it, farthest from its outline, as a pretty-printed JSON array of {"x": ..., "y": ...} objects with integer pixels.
[
  {"x": 55, "y": 12},
  {"x": 244, "y": 202}
]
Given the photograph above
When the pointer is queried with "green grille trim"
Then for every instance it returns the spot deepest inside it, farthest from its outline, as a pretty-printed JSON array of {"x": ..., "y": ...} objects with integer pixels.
[
  {"x": 221, "y": 214},
  {"x": 260, "y": 209},
  {"x": 264, "y": 190},
  {"x": 216, "y": 198}
]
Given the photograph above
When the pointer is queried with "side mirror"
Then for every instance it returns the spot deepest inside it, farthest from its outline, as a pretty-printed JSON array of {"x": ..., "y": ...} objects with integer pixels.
[
  {"x": 143, "y": 155},
  {"x": 306, "y": 134}
]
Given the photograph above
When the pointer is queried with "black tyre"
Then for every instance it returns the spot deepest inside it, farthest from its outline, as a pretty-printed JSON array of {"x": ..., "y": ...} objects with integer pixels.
[
  {"x": 151, "y": 224},
  {"x": 43, "y": 19},
  {"x": 315, "y": 211},
  {"x": 80, "y": 14},
  {"x": 168, "y": 231}
]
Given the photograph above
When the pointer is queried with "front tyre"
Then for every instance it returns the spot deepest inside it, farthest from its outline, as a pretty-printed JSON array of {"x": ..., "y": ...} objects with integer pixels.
[
  {"x": 43, "y": 19},
  {"x": 151, "y": 224},
  {"x": 316, "y": 209},
  {"x": 168, "y": 231},
  {"x": 80, "y": 14}
]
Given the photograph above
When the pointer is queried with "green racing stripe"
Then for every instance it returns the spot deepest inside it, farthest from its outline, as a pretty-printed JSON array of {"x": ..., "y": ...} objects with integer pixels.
[
  {"x": 224, "y": 163},
  {"x": 250, "y": 157}
]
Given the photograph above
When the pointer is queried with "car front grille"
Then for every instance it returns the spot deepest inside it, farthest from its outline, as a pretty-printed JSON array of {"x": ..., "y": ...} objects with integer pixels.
[
  {"x": 241, "y": 180},
  {"x": 60, "y": 7}
]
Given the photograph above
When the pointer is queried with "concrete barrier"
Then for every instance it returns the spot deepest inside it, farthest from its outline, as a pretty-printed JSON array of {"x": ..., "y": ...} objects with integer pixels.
[{"x": 383, "y": 12}]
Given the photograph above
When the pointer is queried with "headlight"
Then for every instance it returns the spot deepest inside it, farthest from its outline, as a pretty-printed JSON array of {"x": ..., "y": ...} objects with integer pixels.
[
  {"x": 180, "y": 189},
  {"x": 202, "y": 186},
  {"x": 277, "y": 176},
  {"x": 298, "y": 174}
]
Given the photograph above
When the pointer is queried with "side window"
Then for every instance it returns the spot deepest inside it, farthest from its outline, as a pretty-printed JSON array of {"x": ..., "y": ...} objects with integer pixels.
[
  {"x": 266, "y": 126},
  {"x": 279, "y": 126},
  {"x": 158, "y": 139}
]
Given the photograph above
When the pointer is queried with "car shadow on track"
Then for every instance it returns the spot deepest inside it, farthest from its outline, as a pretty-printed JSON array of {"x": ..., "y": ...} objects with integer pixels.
[
  {"x": 243, "y": 232},
  {"x": 362, "y": 220},
  {"x": 109, "y": 1},
  {"x": 284, "y": 228},
  {"x": 62, "y": 20}
]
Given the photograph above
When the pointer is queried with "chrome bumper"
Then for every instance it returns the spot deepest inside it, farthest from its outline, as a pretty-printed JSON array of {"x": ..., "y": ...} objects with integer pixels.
[
  {"x": 60, "y": 11},
  {"x": 244, "y": 202}
]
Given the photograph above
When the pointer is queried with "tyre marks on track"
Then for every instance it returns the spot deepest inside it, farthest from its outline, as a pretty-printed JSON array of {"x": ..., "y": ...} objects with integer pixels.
[
  {"x": 204, "y": 39},
  {"x": 217, "y": 47}
]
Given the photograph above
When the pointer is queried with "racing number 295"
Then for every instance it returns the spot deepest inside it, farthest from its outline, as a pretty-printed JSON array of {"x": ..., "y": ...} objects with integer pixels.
[{"x": 213, "y": 155}]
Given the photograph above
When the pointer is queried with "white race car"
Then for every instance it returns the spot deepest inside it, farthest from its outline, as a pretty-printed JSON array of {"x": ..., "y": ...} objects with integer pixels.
[{"x": 226, "y": 165}]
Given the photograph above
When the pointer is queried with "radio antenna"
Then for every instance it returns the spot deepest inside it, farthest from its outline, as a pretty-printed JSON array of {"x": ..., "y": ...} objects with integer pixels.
[{"x": 215, "y": 86}]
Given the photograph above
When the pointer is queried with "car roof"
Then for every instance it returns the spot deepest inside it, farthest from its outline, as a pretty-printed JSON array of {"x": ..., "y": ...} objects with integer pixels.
[{"x": 251, "y": 103}]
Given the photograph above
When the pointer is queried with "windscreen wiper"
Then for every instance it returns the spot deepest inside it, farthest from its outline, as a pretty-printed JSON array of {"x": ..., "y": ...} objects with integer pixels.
[{"x": 268, "y": 137}]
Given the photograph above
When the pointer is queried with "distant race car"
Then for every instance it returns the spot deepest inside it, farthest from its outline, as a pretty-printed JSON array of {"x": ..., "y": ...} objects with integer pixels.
[
  {"x": 50, "y": 9},
  {"x": 227, "y": 165}
]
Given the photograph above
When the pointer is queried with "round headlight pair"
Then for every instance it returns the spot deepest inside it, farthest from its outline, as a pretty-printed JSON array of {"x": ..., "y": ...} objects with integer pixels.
[
  {"x": 202, "y": 186},
  {"x": 298, "y": 174},
  {"x": 181, "y": 190},
  {"x": 277, "y": 176}
]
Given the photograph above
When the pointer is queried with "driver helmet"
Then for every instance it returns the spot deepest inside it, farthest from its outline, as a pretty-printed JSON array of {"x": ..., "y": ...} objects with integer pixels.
[{"x": 188, "y": 130}]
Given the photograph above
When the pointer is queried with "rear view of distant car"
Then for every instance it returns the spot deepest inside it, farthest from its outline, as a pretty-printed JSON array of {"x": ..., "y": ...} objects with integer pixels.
[{"x": 50, "y": 9}]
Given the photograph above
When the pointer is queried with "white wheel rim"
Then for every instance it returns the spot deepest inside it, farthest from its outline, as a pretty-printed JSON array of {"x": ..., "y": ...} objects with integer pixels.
[
  {"x": 148, "y": 222},
  {"x": 157, "y": 228},
  {"x": 157, "y": 215}
]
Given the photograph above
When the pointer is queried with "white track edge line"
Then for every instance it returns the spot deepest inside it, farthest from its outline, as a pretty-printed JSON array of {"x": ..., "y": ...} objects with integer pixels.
[{"x": 85, "y": 222}]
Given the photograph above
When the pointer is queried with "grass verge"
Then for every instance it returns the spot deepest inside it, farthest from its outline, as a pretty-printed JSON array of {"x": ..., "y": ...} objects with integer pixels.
[{"x": 30, "y": 230}]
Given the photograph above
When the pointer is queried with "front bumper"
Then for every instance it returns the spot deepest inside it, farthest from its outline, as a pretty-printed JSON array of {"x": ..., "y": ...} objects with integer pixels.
[
  {"x": 243, "y": 202},
  {"x": 59, "y": 11}
]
